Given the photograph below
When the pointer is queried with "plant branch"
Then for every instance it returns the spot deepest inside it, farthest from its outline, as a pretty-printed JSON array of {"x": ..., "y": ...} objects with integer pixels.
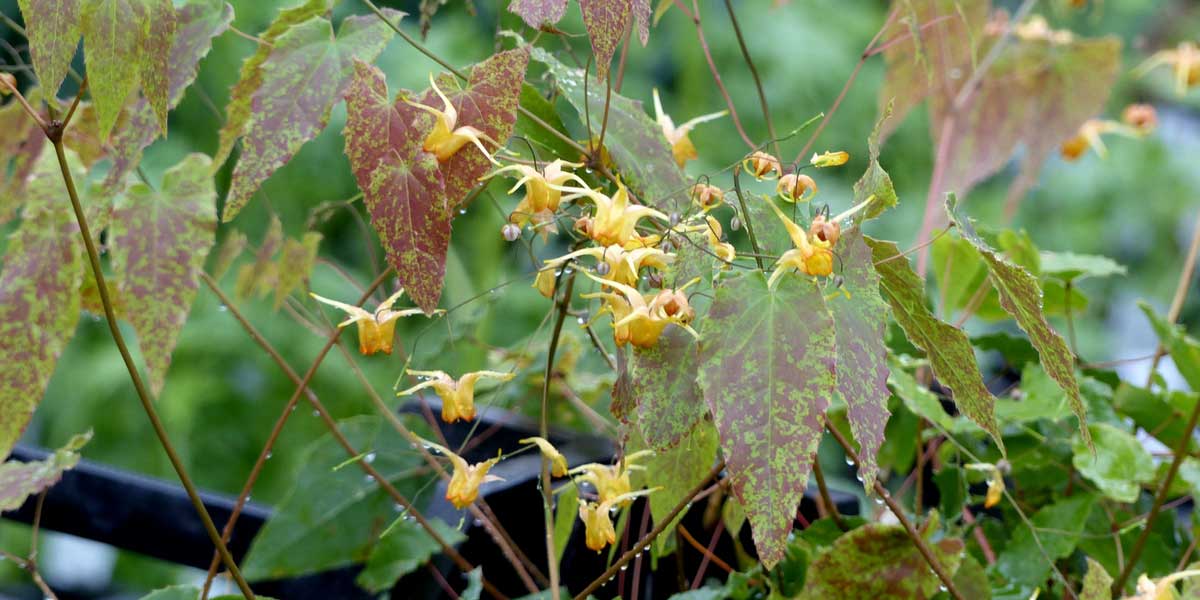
[
  {"x": 762, "y": 97},
  {"x": 75, "y": 103},
  {"x": 826, "y": 500},
  {"x": 1181, "y": 290},
  {"x": 694, "y": 14},
  {"x": 563, "y": 307},
  {"x": 898, "y": 511},
  {"x": 12, "y": 89},
  {"x": 737, "y": 187}
]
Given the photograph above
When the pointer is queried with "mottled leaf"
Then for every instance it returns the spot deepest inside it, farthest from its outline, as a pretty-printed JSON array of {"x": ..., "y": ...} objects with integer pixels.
[
  {"x": 488, "y": 102},
  {"x": 1119, "y": 464},
  {"x": 677, "y": 471},
  {"x": 295, "y": 265},
  {"x": 20, "y": 480},
  {"x": 606, "y": 21},
  {"x": 1021, "y": 296},
  {"x": 950, "y": 353},
  {"x": 159, "y": 243},
  {"x": 971, "y": 580},
  {"x": 20, "y": 146},
  {"x": 767, "y": 372},
  {"x": 1029, "y": 555},
  {"x": 633, "y": 139},
  {"x": 304, "y": 75},
  {"x": 127, "y": 44},
  {"x": 197, "y": 23},
  {"x": 334, "y": 516},
  {"x": 231, "y": 248},
  {"x": 1070, "y": 266},
  {"x": 663, "y": 384},
  {"x": 402, "y": 185},
  {"x": 258, "y": 278},
  {"x": 237, "y": 112},
  {"x": 875, "y": 184},
  {"x": 536, "y": 13},
  {"x": 52, "y": 28},
  {"x": 39, "y": 296},
  {"x": 860, "y": 322},
  {"x": 1097, "y": 583},
  {"x": 879, "y": 561},
  {"x": 404, "y": 548},
  {"x": 1184, "y": 349}
]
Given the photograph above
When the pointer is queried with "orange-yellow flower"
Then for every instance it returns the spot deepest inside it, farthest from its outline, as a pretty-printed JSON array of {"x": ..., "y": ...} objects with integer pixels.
[
  {"x": 376, "y": 331},
  {"x": 829, "y": 159},
  {"x": 640, "y": 320},
  {"x": 446, "y": 138},
  {"x": 541, "y": 198},
  {"x": 681, "y": 146},
  {"x": 1089, "y": 137},
  {"x": 723, "y": 250},
  {"x": 558, "y": 462},
  {"x": 795, "y": 187},
  {"x": 810, "y": 255},
  {"x": 707, "y": 197},
  {"x": 1141, "y": 117},
  {"x": 464, "y": 484},
  {"x": 760, "y": 165},
  {"x": 615, "y": 220},
  {"x": 597, "y": 519},
  {"x": 623, "y": 265},
  {"x": 544, "y": 283},
  {"x": 458, "y": 396},
  {"x": 611, "y": 481},
  {"x": 1184, "y": 59}
]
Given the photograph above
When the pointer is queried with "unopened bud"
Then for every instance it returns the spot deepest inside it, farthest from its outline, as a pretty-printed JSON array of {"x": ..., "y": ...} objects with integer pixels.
[
  {"x": 655, "y": 280},
  {"x": 796, "y": 188},
  {"x": 707, "y": 196},
  {"x": 829, "y": 159},
  {"x": 1141, "y": 117},
  {"x": 602, "y": 269},
  {"x": 674, "y": 217},
  {"x": 735, "y": 224},
  {"x": 510, "y": 232}
]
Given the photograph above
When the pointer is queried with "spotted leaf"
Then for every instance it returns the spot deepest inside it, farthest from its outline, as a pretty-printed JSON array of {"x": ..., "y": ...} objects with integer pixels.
[
  {"x": 52, "y": 27},
  {"x": 605, "y": 21},
  {"x": 767, "y": 372},
  {"x": 663, "y": 384},
  {"x": 536, "y": 13},
  {"x": 20, "y": 480},
  {"x": 879, "y": 561},
  {"x": 295, "y": 265}
]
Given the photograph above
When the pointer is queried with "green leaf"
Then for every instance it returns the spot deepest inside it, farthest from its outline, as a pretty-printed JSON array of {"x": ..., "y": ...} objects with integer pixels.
[
  {"x": 20, "y": 480},
  {"x": 39, "y": 296},
  {"x": 917, "y": 398},
  {"x": 1021, "y": 296},
  {"x": 950, "y": 354},
  {"x": 1119, "y": 464},
  {"x": 250, "y": 79},
  {"x": 160, "y": 241},
  {"x": 52, "y": 28},
  {"x": 304, "y": 75},
  {"x": 1184, "y": 349},
  {"x": 875, "y": 184},
  {"x": 971, "y": 580},
  {"x": 175, "y": 592},
  {"x": 1097, "y": 584},
  {"x": 1068, "y": 265},
  {"x": 662, "y": 380},
  {"x": 767, "y": 372},
  {"x": 127, "y": 44},
  {"x": 403, "y": 548},
  {"x": 296, "y": 263},
  {"x": 633, "y": 139},
  {"x": 1039, "y": 398},
  {"x": 533, "y": 101},
  {"x": 1027, "y": 559},
  {"x": 474, "y": 585},
  {"x": 879, "y": 561},
  {"x": 197, "y": 23},
  {"x": 566, "y": 512},
  {"x": 959, "y": 272},
  {"x": 860, "y": 322},
  {"x": 605, "y": 21},
  {"x": 1017, "y": 351},
  {"x": 1165, "y": 420},
  {"x": 678, "y": 470},
  {"x": 333, "y": 517}
]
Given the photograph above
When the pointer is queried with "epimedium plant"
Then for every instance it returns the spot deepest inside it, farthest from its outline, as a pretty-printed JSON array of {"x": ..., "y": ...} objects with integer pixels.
[{"x": 739, "y": 319}]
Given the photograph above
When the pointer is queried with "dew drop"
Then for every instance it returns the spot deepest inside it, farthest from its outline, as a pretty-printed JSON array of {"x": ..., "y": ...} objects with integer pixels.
[
  {"x": 316, "y": 413},
  {"x": 849, "y": 463},
  {"x": 222, "y": 308},
  {"x": 268, "y": 457},
  {"x": 462, "y": 211},
  {"x": 623, "y": 567},
  {"x": 369, "y": 458},
  {"x": 368, "y": 479}
]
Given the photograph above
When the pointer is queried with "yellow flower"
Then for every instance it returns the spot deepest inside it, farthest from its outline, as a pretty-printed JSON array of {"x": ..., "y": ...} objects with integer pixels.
[
  {"x": 811, "y": 256},
  {"x": 611, "y": 481},
  {"x": 681, "y": 146},
  {"x": 558, "y": 462},
  {"x": 824, "y": 230},
  {"x": 464, "y": 484},
  {"x": 829, "y": 159},
  {"x": 707, "y": 197},
  {"x": 995, "y": 489},
  {"x": 458, "y": 397},
  {"x": 1185, "y": 59},
  {"x": 760, "y": 165},
  {"x": 541, "y": 200},
  {"x": 446, "y": 139},
  {"x": 623, "y": 265},
  {"x": 794, "y": 188},
  {"x": 639, "y": 320},
  {"x": 544, "y": 283},
  {"x": 615, "y": 220},
  {"x": 723, "y": 250},
  {"x": 1089, "y": 137},
  {"x": 376, "y": 331},
  {"x": 597, "y": 519}
]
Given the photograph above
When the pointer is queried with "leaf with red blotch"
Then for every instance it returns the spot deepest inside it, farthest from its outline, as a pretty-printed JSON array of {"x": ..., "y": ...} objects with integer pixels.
[
  {"x": 52, "y": 27},
  {"x": 259, "y": 277},
  {"x": 401, "y": 183},
  {"x": 860, "y": 322},
  {"x": 20, "y": 480},
  {"x": 879, "y": 561},
  {"x": 159, "y": 242},
  {"x": 767, "y": 362},
  {"x": 39, "y": 296},
  {"x": 605, "y": 21},
  {"x": 302, "y": 78},
  {"x": 488, "y": 103},
  {"x": 20, "y": 147},
  {"x": 237, "y": 112},
  {"x": 536, "y": 13},
  {"x": 663, "y": 383},
  {"x": 641, "y": 16},
  {"x": 197, "y": 22},
  {"x": 127, "y": 44},
  {"x": 296, "y": 262}
]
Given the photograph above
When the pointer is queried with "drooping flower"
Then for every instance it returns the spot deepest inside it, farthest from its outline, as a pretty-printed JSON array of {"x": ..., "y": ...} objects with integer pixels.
[
  {"x": 447, "y": 138},
  {"x": 558, "y": 462},
  {"x": 761, "y": 165},
  {"x": 809, "y": 255},
  {"x": 1089, "y": 137},
  {"x": 458, "y": 396},
  {"x": 829, "y": 159},
  {"x": 615, "y": 220},
  {"x": 623, "y": 265},
  {"x": 544, "y": 283},
  {"x": 597, "y": 519},
  {"x": 681, "y": 146},
  {"x": 541, "y": 196},
  {"x": 723, "y": 250},
  {"x": 1184, "y": 59},
  {"x": 795, "y": 187},
  {"x": 825, "y": 230},
  {"x": 464, "y": 484},
  {"x": 707, "y": 196},
  {"x": 640, "y": 320},
  {"x": 611, "y": 481},
  {"x": 376, "y": 331},
  {"x": 1142, "y": 117}
]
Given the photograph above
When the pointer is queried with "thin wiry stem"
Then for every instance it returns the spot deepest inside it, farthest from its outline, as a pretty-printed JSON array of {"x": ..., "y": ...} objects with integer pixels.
[
  {"x": 762, "y": 96},
  {"x": 826, "y": 499},
  {"x": 694, "y": 14},
  {"x": 746, "y": 220},
  {"x": 563, "y": 307},
  {"x": 1181, "y": 290}
]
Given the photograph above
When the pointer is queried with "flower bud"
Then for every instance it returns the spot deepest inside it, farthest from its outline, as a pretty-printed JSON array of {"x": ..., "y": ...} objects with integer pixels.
[
  {"x": 735, "y": 223},
  {"x": 654, "y": 280},
  {"x": 796, "y": 188},
  {"x": 829, "y": 159},
  {"x": 707, "y": 196},
  {"x": 584, "y": 225},
  {"x": 510, "y": 232},
  {"x": 761, "y": 165},
  {"x": 602, "y": 269},
  {"x": 1141, "y": 117},
  {"x": 825, "y": 231}
]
